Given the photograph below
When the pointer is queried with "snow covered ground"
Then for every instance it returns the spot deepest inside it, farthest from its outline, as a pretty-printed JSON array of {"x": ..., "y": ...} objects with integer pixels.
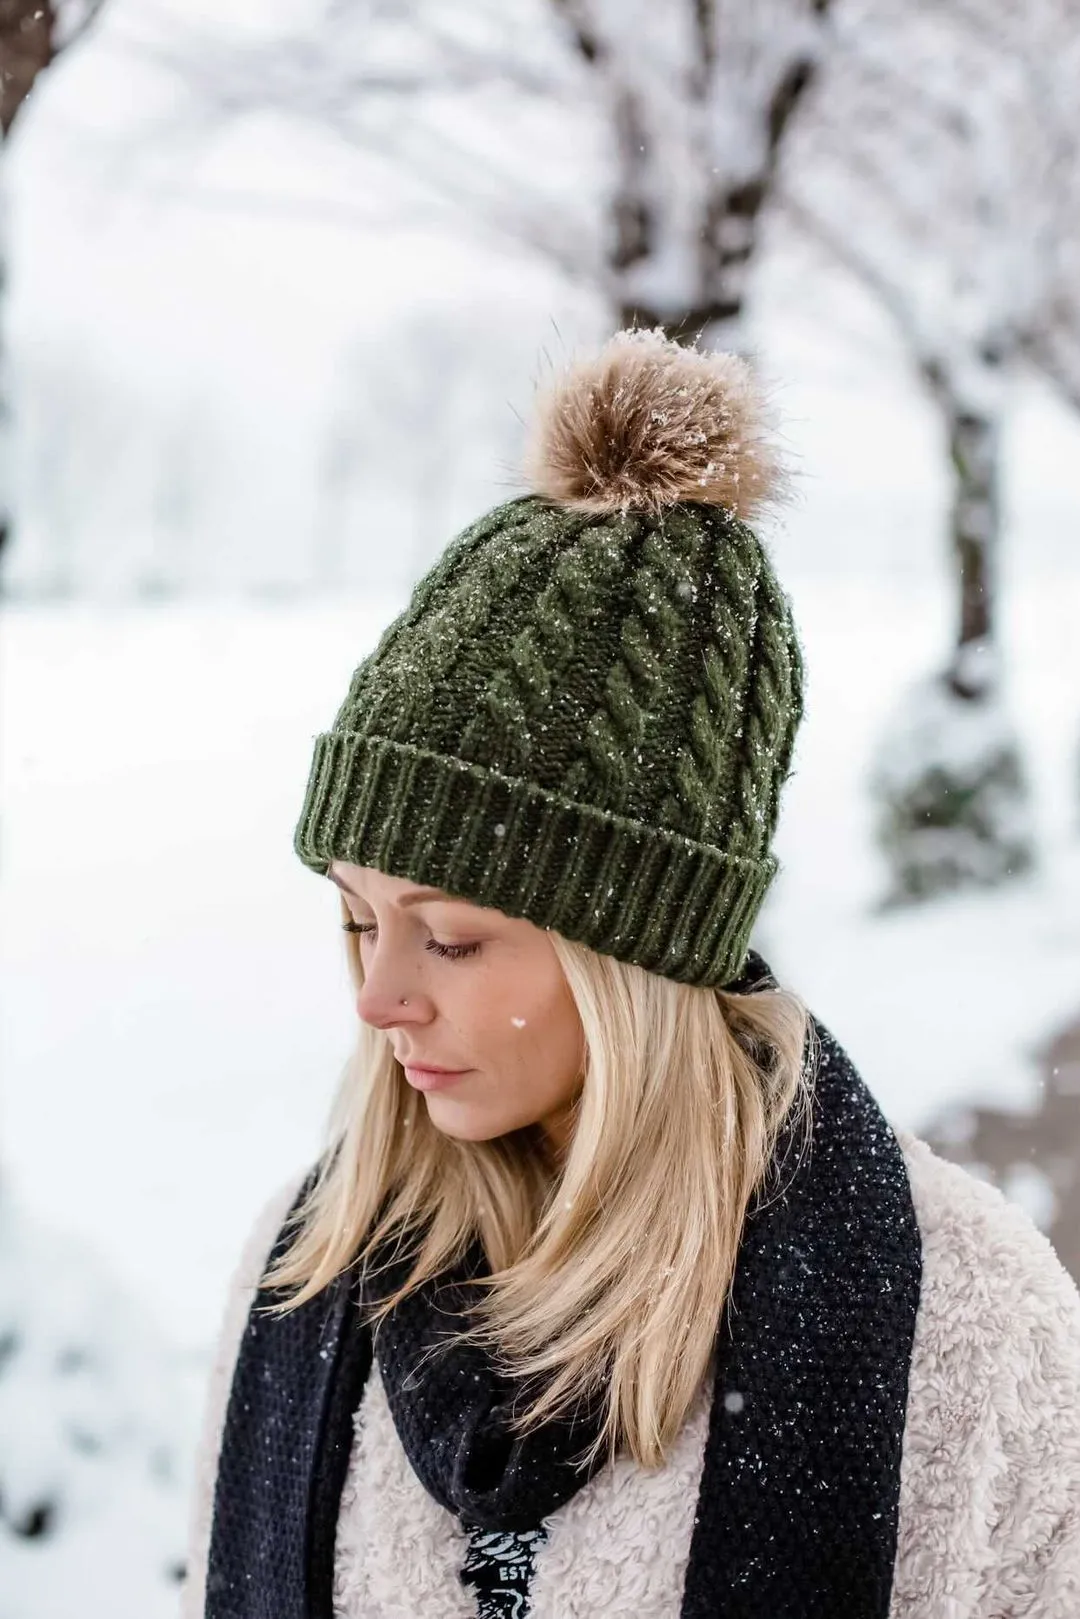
[{"x": 96, "y": 1419}]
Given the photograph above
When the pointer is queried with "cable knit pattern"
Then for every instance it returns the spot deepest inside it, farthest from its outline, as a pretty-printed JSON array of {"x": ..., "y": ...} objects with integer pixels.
[
  {"x": 568, "y": 698},
  {"x": 989, "y": 1523},
  {"x": 587, "y": 711}
]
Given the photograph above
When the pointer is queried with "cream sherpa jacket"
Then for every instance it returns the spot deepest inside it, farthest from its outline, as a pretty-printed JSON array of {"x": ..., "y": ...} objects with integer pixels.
[{"x": 989, "y": 1524}]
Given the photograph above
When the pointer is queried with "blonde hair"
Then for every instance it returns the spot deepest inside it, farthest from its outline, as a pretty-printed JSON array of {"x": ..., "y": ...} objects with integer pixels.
[{"x": 610, "y": 1269}]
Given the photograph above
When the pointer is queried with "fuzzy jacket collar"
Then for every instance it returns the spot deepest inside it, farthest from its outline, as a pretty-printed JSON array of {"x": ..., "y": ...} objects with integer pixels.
[{"x": 798, "y": 1501}]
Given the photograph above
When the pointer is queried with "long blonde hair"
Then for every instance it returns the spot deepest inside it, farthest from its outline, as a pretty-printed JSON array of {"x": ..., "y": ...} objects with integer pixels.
[{"x": 610, "y": 1269}]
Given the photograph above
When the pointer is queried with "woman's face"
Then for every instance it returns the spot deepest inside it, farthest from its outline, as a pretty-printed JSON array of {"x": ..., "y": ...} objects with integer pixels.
[{"x": 483, "y": 993}]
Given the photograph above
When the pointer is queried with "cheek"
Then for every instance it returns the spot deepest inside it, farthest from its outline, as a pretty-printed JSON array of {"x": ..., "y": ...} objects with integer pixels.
[
  {"x": 527, "y": 1045},
  {"x": 535, "y": 1029}
]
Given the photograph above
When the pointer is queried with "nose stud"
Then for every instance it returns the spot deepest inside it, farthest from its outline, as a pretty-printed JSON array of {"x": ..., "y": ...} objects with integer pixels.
[{"x": 404, "y": 1002}]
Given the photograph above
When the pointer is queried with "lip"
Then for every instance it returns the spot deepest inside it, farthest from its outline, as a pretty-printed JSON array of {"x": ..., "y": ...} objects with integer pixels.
[{"x": 432, "y": 1079}]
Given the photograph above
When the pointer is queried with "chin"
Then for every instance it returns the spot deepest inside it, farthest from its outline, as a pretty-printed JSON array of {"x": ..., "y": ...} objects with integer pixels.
[{"x": 466, "y": 1123}]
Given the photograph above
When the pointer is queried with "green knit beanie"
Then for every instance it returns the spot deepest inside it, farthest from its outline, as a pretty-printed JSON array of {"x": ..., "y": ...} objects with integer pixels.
[{"x": 587, "y": 711}]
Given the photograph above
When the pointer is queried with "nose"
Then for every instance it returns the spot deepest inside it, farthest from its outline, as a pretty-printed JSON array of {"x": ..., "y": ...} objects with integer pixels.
[{"x": 384, "y": 1002}]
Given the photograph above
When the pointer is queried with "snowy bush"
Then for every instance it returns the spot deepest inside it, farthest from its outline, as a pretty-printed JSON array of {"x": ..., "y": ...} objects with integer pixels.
[
  {"x": 92, "y": 1452},
  {"x": 950, "y": 793}
]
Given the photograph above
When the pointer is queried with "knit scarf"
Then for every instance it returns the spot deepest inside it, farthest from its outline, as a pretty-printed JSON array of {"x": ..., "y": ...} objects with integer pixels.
[
  {"x": 799, "y": 1493},
  {"x": 452, "y": 1409}
]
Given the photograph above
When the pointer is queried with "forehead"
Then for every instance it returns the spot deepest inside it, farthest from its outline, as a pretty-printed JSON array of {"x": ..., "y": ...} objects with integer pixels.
[{"x": 365, "y": 883}]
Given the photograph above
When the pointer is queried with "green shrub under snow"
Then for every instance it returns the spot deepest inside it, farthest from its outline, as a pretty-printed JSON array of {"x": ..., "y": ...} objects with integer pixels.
[{"x": 951, "y": 798}]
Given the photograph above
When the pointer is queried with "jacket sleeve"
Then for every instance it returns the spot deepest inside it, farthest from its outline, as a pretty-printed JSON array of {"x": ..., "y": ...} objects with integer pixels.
[{"x": 241, "y": 1292}]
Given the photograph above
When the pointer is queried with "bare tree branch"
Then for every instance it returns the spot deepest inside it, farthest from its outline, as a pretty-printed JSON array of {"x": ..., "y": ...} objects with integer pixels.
[
  {"x": 846, "y": 251},
  {"x": 341, "y": 86}
]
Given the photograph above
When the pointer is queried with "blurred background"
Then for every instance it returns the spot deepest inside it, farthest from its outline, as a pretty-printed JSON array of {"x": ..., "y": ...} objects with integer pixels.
[{"x": 279, "y": 280}]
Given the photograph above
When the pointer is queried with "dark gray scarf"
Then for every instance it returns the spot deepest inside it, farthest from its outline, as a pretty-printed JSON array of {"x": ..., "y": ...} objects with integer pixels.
[{"x": 799, "y": 1492}]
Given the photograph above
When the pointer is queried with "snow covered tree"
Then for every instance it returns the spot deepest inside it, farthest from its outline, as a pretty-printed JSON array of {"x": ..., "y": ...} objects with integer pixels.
[
  {"x": 699, "y": 97},
  {"x": 930, "y": 163},
  {"x": 1053, "y": 340},
  {"x": 691, "y": 102},
  {"x": 630, "y": 146},
  {"x": 32, "y": 33}
]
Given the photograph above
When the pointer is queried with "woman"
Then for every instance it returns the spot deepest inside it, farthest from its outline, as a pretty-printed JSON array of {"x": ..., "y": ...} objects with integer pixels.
[{"x": 614, "y": 1292}]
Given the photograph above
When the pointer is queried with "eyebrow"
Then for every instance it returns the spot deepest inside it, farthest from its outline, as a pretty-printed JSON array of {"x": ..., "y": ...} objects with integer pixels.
[{"x": 416, "y": 897}]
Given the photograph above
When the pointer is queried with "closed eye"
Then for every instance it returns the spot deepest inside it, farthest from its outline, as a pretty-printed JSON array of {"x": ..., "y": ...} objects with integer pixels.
[{"x": 454, "y": 951}]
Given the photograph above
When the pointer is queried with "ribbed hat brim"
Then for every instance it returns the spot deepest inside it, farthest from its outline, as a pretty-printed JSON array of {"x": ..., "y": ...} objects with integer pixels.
[{"x": 590, "y": 875}]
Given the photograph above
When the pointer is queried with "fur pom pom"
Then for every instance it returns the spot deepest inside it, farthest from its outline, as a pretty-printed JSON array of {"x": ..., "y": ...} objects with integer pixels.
[{"x": 646, "y": 423}]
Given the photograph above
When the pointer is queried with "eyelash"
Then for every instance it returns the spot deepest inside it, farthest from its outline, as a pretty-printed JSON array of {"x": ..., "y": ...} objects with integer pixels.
[{"x": 454, "y": 951}]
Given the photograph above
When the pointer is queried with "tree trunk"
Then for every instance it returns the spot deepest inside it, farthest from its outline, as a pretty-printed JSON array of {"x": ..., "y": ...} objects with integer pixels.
[
  {"x": 27, "y": 33},
  {"x": 953, "y": 801},
  {"x": 27, "y": 30},
  {"x": 709, "y": 302},
  {"x": 972, "y": 423},
  {"x": 709, "y": 295},
  {"x": 679, "y": 254}
]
